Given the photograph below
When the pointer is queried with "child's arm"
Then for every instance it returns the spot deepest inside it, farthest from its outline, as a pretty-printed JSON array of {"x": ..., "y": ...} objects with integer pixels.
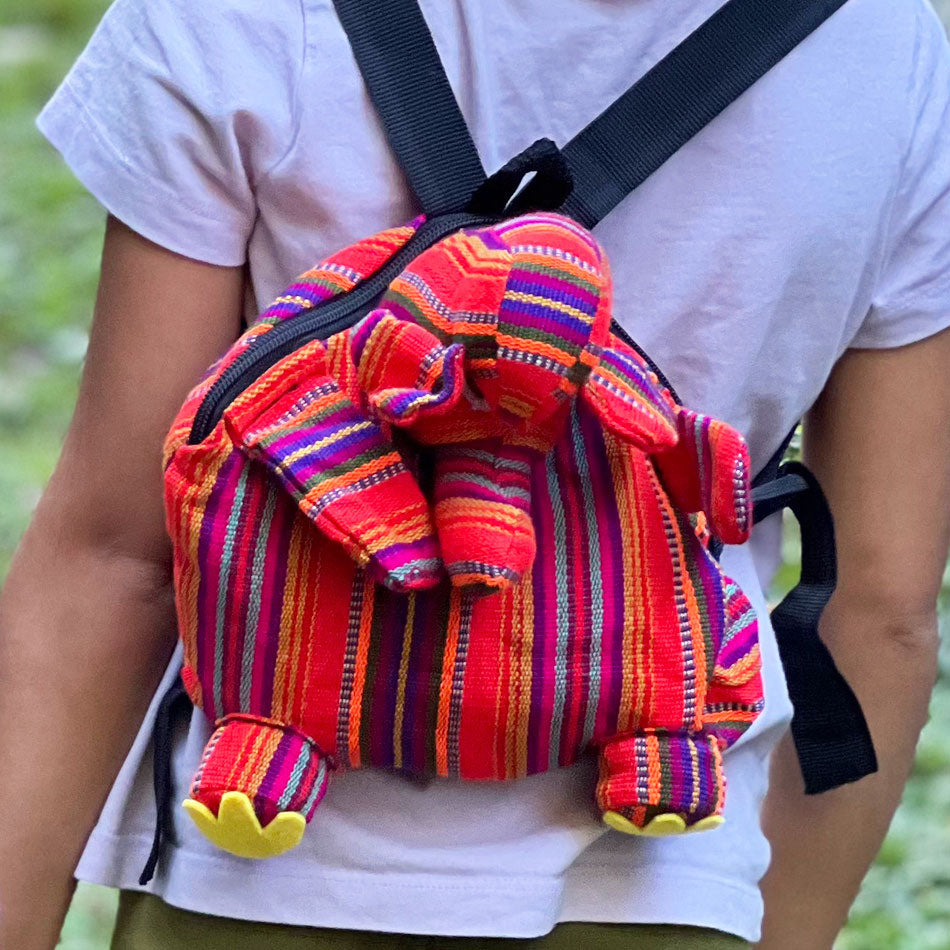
[
  {"x": 879, "y": 440},
  {"x": 86, "y": 616}
]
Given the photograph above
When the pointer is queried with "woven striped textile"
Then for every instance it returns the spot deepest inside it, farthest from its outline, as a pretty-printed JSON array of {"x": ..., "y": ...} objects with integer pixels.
[{"x": 467, "y": 537}]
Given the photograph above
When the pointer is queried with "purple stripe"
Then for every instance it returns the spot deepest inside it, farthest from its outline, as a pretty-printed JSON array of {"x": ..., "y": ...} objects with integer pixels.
[
  {"x": 222, "y": 491},
  {"x": 519, "y": 313},
  {"x": 682, "y": 773},
  {"x": 710, "y": 596},
  {"x": 306, "y": 432},
  {"x": 408, "y": 550},
  {"x": 361, "y": 333},
  {"x": 417, "y": 680},
  {"x": 704, "y": 762},
  {"x": 289, "y": 745},
  {"x": 576, "y": 556},
  {"x": 384, "y": 689},
  {"x": 554, "y": 286},
  {"x": 399, "y": 310}
]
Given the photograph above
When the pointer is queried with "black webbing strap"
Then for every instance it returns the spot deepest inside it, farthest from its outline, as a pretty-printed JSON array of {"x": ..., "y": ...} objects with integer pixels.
[
  {"x": 174, "y": 697},
  {"x": 412, "y": 95},
  {"x": 829, "y": 729}
]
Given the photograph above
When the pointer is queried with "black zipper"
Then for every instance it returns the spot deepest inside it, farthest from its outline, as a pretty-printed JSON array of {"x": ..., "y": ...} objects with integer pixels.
[
  {"x": 335, "y": 315},
  {"x": 319, "y": 322}
]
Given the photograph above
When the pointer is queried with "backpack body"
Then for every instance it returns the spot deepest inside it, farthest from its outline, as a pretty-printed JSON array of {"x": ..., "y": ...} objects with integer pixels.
[{"x": 567, "y": 599}]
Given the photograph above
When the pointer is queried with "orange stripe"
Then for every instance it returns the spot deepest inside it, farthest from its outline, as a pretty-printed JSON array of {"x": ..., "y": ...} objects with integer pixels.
[
  {"x": 349, "y": 478},
  {"x": 289, "y": 619},
  {"x": 654, "y": 772},
  {"x": 524, "y": 681},
  {"x": 359, "y": 676},
  {"x": 538, "y": 347},
  {"x": 621, "y": 475},
  {"x": 402, "y": 680},
  {"x": 445, "y": 685}
]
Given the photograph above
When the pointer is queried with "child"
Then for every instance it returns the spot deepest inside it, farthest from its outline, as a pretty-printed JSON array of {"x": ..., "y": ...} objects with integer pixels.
[{"x": 793, "y": 258}]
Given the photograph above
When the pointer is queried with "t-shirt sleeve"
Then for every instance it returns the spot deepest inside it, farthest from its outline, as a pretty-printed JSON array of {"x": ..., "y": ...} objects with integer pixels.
[
  {"x": 912, "y": 297},
  {"x": 175, "y": 110}
]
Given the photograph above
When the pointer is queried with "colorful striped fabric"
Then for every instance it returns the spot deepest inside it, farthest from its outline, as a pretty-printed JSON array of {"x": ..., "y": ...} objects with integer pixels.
[{"x": 468, "y": 537}]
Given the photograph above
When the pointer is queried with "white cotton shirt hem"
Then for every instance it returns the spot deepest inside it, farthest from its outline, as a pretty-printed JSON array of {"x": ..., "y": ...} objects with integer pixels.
[{"x": 490, "y": 906}]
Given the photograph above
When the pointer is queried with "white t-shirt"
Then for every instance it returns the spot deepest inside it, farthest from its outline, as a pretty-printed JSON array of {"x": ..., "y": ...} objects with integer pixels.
[{"x": 812, "y": 216}]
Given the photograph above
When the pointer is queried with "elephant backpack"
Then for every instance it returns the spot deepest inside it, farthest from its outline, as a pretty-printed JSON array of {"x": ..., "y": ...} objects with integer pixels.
[{"x": 436, "y": 513}]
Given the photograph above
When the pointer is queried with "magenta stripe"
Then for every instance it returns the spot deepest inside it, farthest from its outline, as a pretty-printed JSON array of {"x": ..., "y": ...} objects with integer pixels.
[
  {"x": 210, "y": 545},
  {"x": 280, "y": 766},
  {"x": 609, "y": 533},
  {"x": 545, "y": 628},
  {"x": 578, "y": 579}
]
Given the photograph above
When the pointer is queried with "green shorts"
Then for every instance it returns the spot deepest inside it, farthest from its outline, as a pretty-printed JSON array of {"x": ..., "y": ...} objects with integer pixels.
[{"x": 146, "y": 923}]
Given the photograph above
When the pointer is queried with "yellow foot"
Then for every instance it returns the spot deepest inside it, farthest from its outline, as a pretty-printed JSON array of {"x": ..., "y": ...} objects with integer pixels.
[
  {"x": 660, "y": 826},
  {"x": 709, "y": 823},
  {"x": 236, "y": 828}
]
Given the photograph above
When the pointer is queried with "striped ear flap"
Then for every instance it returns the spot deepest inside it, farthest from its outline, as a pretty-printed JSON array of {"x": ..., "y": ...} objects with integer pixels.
[
  {"x": 708, "y": 470},
  {"x": 340, "y": 466},
  {"x": 627, "y": 399},
  {"x": 403, "y": 371}
]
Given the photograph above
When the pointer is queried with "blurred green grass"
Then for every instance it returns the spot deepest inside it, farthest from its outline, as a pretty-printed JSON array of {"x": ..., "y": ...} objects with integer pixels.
[{"x": 50, "y": 238}]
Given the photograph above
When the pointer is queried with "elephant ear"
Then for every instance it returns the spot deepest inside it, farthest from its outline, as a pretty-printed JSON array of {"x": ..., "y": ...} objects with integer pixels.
[
  {"x": 708, "y": 470},
  {"x": 403, "y": 371},
  {"x": 340, "y": 466},
  {"x": 628, "y": 400}
]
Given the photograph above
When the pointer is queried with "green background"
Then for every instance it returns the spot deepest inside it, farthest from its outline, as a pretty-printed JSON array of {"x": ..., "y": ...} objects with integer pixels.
[{"x": 50, "y": 239}]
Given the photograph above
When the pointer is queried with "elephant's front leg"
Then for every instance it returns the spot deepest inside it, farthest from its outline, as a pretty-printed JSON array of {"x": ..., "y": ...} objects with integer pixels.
[{"x": 258, "y": 784}]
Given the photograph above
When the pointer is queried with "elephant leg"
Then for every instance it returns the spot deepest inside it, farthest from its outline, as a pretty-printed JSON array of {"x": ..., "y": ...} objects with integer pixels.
[
  {"x": 257, "y": 786},
  {"x": 708, "y": 470},
  {"x": 661, "y": 783}
]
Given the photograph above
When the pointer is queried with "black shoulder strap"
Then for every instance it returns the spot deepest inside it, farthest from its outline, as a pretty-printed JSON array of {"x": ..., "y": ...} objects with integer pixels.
[
  {"x": 619, "y": 150},
  {"x": 680, "y": 96},
  {"x": 412, "y": 95}
]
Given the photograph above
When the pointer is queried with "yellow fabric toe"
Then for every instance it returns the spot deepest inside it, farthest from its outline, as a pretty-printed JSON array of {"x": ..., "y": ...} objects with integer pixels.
[
  {"x": 236, "y": 827},
  {"x": 663, "y": 825},
  {"x": 659, "y": 827},
  {"x": 707, "y": 824},
  {"x": 617, "y": 821}
]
